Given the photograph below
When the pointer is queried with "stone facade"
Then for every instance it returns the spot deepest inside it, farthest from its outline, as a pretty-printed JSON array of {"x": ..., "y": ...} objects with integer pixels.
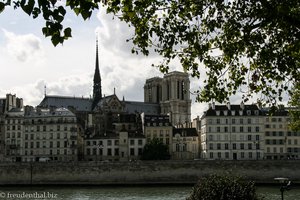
[{"x": 172, "y": 93}]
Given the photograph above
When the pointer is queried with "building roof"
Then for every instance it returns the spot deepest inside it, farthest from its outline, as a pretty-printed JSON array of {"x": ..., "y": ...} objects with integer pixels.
[
  {"x": 232, "y": 110},
  {"x": 77, "y": 103},
  {"x": 141, "y": 107},
  {"x": 185, "y": 132},
  {"x": 58, "y": 112}
]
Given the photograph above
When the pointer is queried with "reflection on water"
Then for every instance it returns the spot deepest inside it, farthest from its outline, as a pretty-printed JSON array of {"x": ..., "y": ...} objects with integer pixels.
[{"x": 122, "y": 193}]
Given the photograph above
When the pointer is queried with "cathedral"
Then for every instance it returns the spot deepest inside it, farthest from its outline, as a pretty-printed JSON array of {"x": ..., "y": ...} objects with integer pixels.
[{"x": 162, "y": 96}]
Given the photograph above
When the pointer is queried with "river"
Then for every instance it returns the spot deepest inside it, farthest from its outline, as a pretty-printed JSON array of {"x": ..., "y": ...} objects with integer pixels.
[{"x": 122, "y": 193}]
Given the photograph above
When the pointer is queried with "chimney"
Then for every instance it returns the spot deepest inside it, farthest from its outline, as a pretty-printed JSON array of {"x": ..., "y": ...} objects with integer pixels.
[
  {"x": 209, "y": 106},
  {"x": 213, "y": 106},
  {"x": 228, "y": 105},
  {"x": 242, "y": 105}
]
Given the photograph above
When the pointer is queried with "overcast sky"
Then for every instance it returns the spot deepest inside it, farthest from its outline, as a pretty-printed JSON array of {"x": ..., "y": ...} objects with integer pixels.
[{"x": 29, "y": 61}]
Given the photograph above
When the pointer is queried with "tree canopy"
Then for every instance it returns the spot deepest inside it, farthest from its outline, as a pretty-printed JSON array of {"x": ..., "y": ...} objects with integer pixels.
[
  {"x": 295, "y": 108},
  {"x": 155, "y": 150},
  {"x": 226, "y": 187},
  {"x": 241, "y": 45}
]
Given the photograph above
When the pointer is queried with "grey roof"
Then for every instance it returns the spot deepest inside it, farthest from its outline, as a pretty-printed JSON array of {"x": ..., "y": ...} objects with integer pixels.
[
  {"x": 142, "y": 107},
  {"x": 47, "y": 113},
  {"x": 79, "y": 104},
  {"x": 185, "y": 132},
  {"x": 246, "y": 110}
]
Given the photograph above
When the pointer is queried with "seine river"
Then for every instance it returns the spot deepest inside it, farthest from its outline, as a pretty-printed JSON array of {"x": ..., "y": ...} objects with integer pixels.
[{"x": 122, "y": 193}]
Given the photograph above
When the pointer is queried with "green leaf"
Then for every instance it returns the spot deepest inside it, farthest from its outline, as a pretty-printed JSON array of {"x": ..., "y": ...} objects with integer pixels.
[
  {"x": 67, "y": 32},
  {"x": 2, "y": 6}
]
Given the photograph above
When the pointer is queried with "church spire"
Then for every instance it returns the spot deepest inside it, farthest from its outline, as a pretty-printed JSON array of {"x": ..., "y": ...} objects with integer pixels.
[{"x": 97, "y": 90}]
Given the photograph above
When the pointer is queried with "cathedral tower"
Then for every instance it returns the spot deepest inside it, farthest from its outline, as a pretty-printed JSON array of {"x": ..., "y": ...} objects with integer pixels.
[
  {"x": 97, "y": 90},
  {"x": 172, "y": 94}
]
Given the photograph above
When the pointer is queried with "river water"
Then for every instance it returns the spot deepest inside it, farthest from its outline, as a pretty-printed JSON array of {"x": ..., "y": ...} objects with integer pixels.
[{"x": 123, "y": 193}]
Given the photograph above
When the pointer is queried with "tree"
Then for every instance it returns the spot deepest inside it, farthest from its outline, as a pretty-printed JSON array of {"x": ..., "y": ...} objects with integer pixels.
[
  {"x": 223, "y": 188},
  {"x": 155, "y": 150},
  {"x": 248, "y": 46},
  {"x": 295, "y": 110}
]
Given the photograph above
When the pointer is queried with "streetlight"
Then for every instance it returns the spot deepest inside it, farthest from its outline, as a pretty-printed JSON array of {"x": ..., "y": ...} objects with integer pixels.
[{"x": 285, "y": 184}]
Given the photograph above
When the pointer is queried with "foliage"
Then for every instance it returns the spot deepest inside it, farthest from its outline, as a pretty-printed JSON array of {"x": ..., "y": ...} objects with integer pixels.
[
  {"x": 155, "y": 150},
  {"x": 223, "y": 187},
  {"x": 252, "y": 46},
  {"x": 295, "y": 110}
]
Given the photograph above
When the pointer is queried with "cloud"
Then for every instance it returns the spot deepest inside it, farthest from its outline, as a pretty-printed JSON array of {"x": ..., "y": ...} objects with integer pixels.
[{"x": 25, "y": 48}]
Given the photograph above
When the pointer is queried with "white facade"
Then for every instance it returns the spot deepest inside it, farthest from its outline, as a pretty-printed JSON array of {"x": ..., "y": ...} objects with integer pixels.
[
  {"x": 39, "y": 134},
  {"x": 232, "y": 132}
]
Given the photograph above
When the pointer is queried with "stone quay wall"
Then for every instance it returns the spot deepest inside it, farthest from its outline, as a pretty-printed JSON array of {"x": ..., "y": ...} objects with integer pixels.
[{"x": 143, "y": 172}]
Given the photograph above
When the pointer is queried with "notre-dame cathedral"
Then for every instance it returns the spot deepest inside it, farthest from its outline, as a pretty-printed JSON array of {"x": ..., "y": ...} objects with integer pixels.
[{"x": 168, "y": 95}]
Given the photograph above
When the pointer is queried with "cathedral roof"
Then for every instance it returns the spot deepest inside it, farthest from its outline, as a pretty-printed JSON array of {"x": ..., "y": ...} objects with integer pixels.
[
  {"x": 142, "y": 107},
  {"x": 77, "y": 103}
]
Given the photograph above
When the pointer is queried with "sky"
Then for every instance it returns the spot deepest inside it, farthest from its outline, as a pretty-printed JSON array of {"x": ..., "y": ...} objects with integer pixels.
[{"x": 29, "y": 61}]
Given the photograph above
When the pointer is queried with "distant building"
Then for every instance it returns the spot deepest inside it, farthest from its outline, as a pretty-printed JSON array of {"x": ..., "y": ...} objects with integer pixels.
[
  {"x": 280, "y": 141},
  {"x": 172, "y": 94},
  {"x": 185, "y": 144},
  {"x": 34, "y": 134},
  {"x": 233, "y": 132},
  {"x": 158, "y": 126}
]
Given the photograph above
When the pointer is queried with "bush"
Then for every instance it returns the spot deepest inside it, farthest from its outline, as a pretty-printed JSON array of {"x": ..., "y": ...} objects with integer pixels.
[{"x": 216, "y": 187}]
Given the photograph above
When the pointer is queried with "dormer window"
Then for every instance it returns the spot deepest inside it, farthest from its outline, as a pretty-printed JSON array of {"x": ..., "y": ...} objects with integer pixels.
[
  {"x": 217, "y": 112},
  {"x": 248, "y": 112},
  {"x": 225, "y": 112},
  {"x": 256, "y": 112},
  {"x": 233, "y": 112},
  {"x": 241, "y": 112}
]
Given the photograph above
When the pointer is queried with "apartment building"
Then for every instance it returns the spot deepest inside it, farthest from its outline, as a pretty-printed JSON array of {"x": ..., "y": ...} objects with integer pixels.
[
  {"x": 33, "y": 134},
  {"x": 232, "y": 132},
  {"x": 280, "y": 141}
]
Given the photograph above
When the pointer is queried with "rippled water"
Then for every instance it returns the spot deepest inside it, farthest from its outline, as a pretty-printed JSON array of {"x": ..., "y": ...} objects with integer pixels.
[{"x": 122, "y": 193}]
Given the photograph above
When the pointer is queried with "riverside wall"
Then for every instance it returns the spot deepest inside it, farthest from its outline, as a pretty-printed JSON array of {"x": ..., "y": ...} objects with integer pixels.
[{"x": 141, "y": 172}]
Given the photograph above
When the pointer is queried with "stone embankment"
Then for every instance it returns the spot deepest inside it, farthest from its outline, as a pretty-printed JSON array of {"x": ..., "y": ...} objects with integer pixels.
[{"x": 141, "y": 172}]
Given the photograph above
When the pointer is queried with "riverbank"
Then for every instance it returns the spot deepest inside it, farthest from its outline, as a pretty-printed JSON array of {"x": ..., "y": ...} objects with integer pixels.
[{"x": 144, "y": 172}]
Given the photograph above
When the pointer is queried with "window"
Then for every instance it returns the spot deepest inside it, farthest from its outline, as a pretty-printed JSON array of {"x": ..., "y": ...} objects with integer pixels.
[
  {"x": 241, "y": 129},
  {"x": 131, "y": 142},
  {"x": 249, "y": 138},
  {"x": 249, "y": 146},
  {"x": 218, "y": 121},
  {"x": 109, "y": 142},
  {"x": 241, "y": 121},
  {"x": 225, "y": 129},
  {"x": 226, "y": 155},
  {"x": 257, "y": 128},
  {"x": 249, "y": 120},
  {"x": 226, "y": 146},
  {"x": 218, "y": 146},
  {"x": 211, "y": 146},
  {"x": 234, "y": 146},
  {"x": 242, "y": 155},
  {"x": 233, "y": 121},
  {"x": 219, "y": 154},
  {"x": 218, "y": 129},
  {"x": 242, "y": 146},
  {"x": 249, "y": 129},
  {"x": 116, "y": 152},
  {"x": 233, "y": 129},
  {"x": 211, "y": 155},
  {"x": 109, "y": 152},
  {"x": 132, "y": 151},
  {"x": 210, "y": 138},
  {"x": 250, "y": 154},
  {"x": 116, "y": 142},
  {"x": 257, "y": 137}
]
